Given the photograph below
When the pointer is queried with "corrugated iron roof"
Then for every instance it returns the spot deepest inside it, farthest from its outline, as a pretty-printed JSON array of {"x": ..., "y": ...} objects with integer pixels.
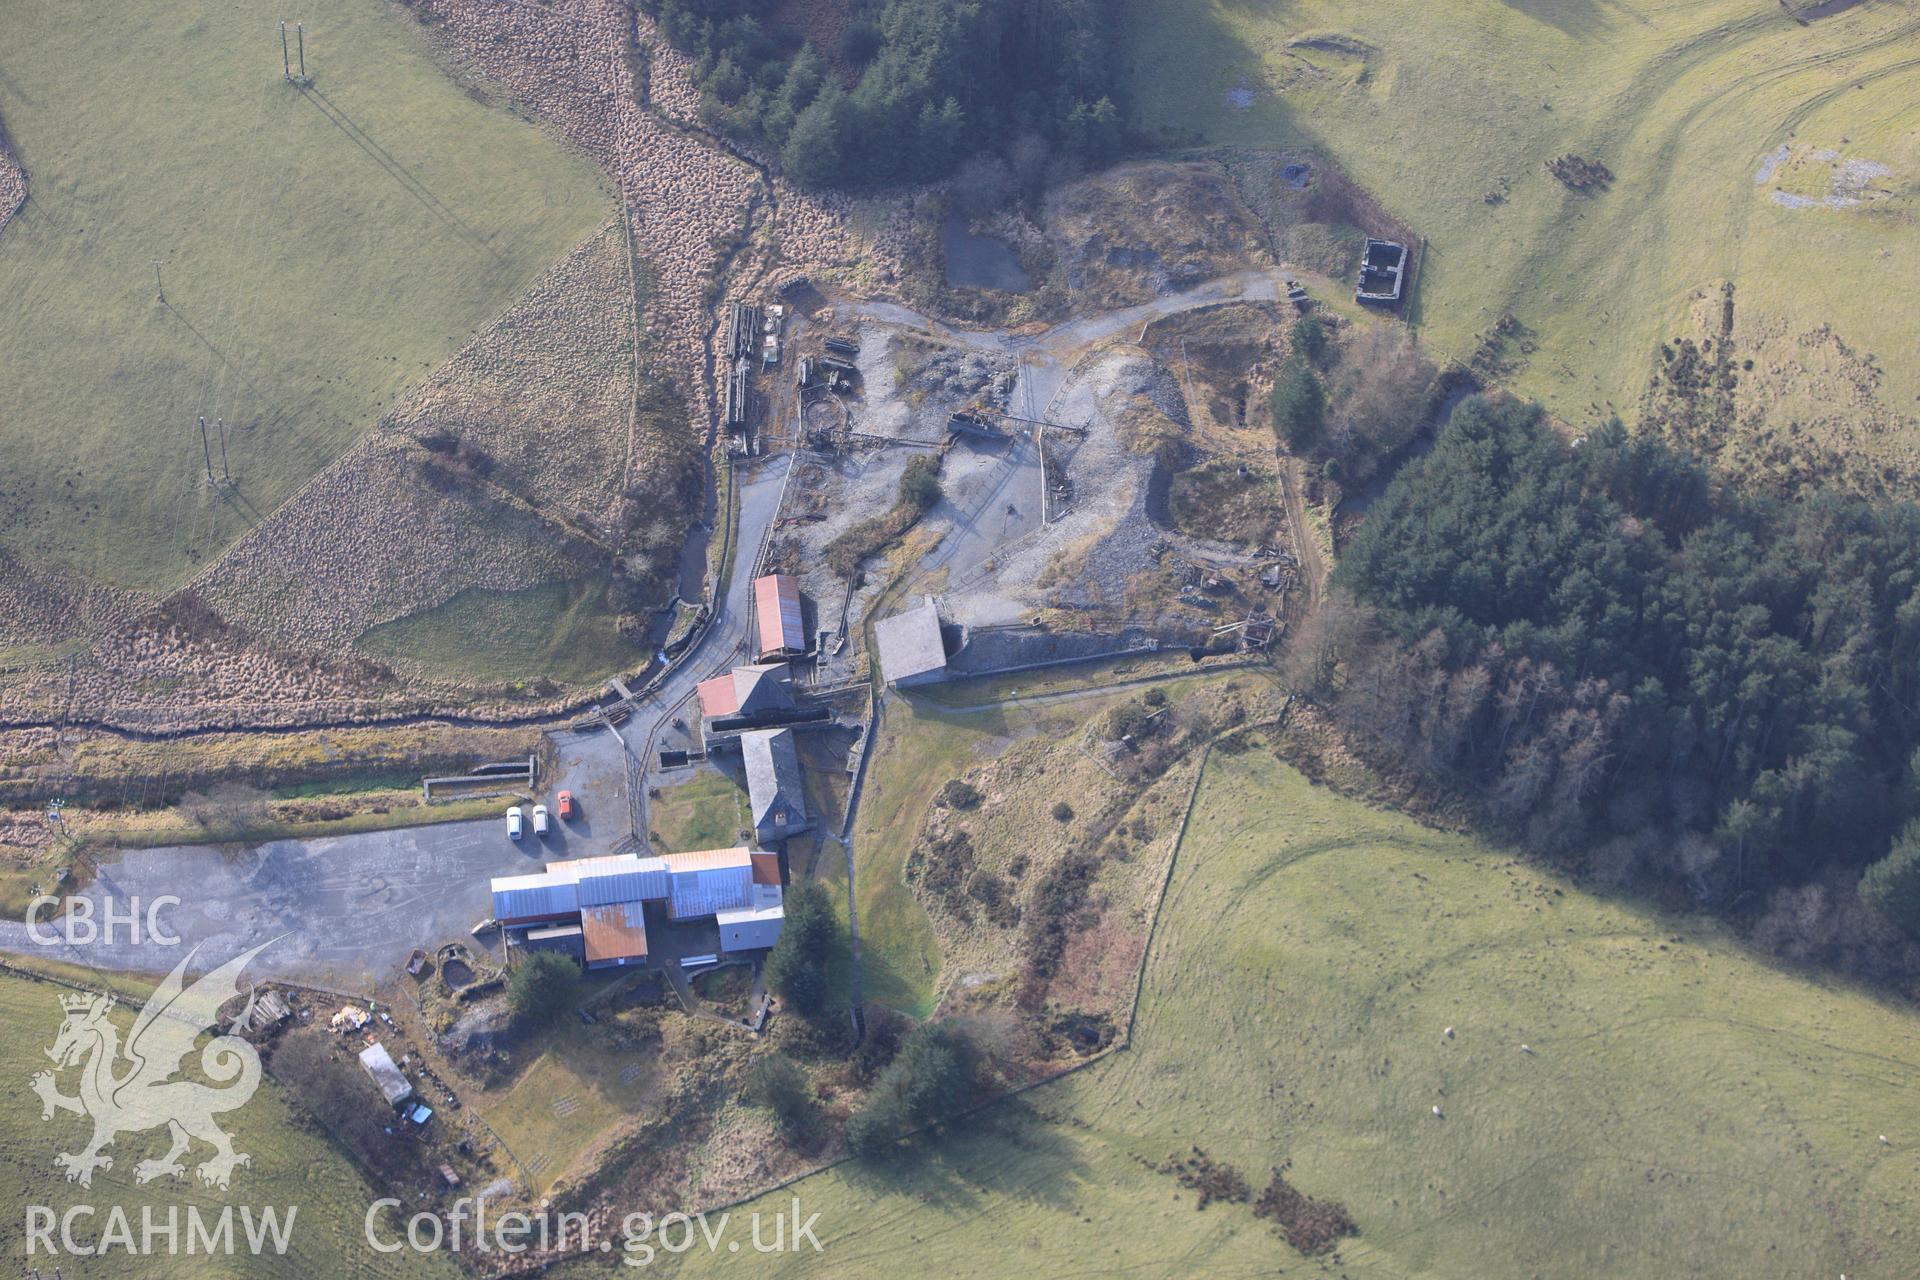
[
  {"x": 614, "y": 877},
  {"x": 717, "y": 697},
  {"x": 776, "y": 605},
  {"x": 702, "y": 893},
  {"x": 644, "y": 879},
  {"x": 708, "y": 859},
  {"x": 746, "y": 691},
  {"x": 571, "y": 868},
  {"x": 709, "y": 880},
  {"x": 617, "y": 931},
  {"x": 545, "y": 895},
  {"x": 551, "y": 931}
]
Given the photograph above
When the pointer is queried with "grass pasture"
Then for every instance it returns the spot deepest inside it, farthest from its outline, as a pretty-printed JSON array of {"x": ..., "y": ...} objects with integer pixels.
[
  {"x": 705, "y": 812},
  {"x": 291, "y": 1167},
  {"x": 924, "y": 745},
  {"x": 1448, "y": 114},
  {"x": 936, "y": 736},
  {"x": 575, "y": 1095},
  {"x": 1686, "y": 1109},
  {"x": 560, "y": 630},
  {"x": 321, "y": 249}
]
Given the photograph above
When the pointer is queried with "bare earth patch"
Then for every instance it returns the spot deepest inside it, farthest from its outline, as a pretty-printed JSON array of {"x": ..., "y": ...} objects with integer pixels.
[
  {"x": 13, "y": 181},
  {"x": 1132, "y": 233}
]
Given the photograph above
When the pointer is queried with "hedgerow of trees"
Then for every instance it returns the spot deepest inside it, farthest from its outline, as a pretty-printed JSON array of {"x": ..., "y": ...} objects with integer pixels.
[
  {"x": 934, "y": 81},
  {"x": 1352, "y": 407},
  {"x": 543, "y": 987},
  {"x": 1618, "y": 660},
  {"x": 797, "y": 966},
  {"x": 930, "y": 1078}
]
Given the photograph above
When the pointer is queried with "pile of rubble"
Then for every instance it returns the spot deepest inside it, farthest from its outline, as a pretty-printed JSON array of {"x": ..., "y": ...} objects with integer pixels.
[
  {"x": 13, "y": 184},
  {"x": 960, "y": 375}
]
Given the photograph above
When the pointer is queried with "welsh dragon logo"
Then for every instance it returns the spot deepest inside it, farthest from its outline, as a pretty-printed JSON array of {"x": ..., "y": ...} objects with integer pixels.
[{"x": 131, "y": 1089}]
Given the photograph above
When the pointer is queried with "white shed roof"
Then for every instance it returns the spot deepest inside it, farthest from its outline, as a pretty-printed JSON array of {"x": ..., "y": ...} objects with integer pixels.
[
  {"x": 757, "y": 924},
  {"x": 709, "y": 881},
  {"x": 622, "y": 877},
  {"x": 768, "y": 902},
  {"x": 394, "y": 1086},
  {"x": 544, "y": 894}
]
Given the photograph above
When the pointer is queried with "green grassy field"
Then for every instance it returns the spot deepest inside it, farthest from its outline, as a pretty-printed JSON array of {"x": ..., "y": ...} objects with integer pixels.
[
  {"x": 1686, "y": 1110},
  {"x": 320, "y": 251},
  {"x": 573, "y": 1096},
  {"x": 927, "y": 741},
  {"x": 1448, "y": 113},
  {"x": 291, "y": 1167},
  {"x": 561, "y": 630},
  {"x": 924, "y": 746},
  {"x": 706, "y": 812}
]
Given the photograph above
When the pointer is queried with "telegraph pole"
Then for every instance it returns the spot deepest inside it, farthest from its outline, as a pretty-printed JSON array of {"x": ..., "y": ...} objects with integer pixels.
[
  {"x": 301, "y": 32},
  {"x": 205, "y": 448},
  {"x": 158, "y": 289},
  {"x": 286, "y": 59}
]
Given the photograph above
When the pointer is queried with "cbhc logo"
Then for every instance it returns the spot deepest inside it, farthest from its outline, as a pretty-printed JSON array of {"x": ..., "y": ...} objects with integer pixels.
[{"x": 79, "y": 927}]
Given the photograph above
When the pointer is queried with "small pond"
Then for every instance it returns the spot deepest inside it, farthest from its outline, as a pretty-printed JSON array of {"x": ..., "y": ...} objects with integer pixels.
[{"x": 980, "y": 262}]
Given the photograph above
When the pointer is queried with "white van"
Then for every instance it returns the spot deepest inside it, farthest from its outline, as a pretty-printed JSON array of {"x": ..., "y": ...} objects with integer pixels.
[
  {"x": 513, "y": 823},
  {"x": 540, "y": 820}
]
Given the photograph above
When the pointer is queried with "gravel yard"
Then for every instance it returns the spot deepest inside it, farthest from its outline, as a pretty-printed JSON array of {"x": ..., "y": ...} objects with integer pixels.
[{"x": 345, "y": 911}]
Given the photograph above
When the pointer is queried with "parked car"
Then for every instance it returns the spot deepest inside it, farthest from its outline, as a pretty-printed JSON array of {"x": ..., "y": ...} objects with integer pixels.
[
  {"x": 539, "y": 819},
  {"x": 564, "y": 802},
  {"x": 513, "y": 823}
]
